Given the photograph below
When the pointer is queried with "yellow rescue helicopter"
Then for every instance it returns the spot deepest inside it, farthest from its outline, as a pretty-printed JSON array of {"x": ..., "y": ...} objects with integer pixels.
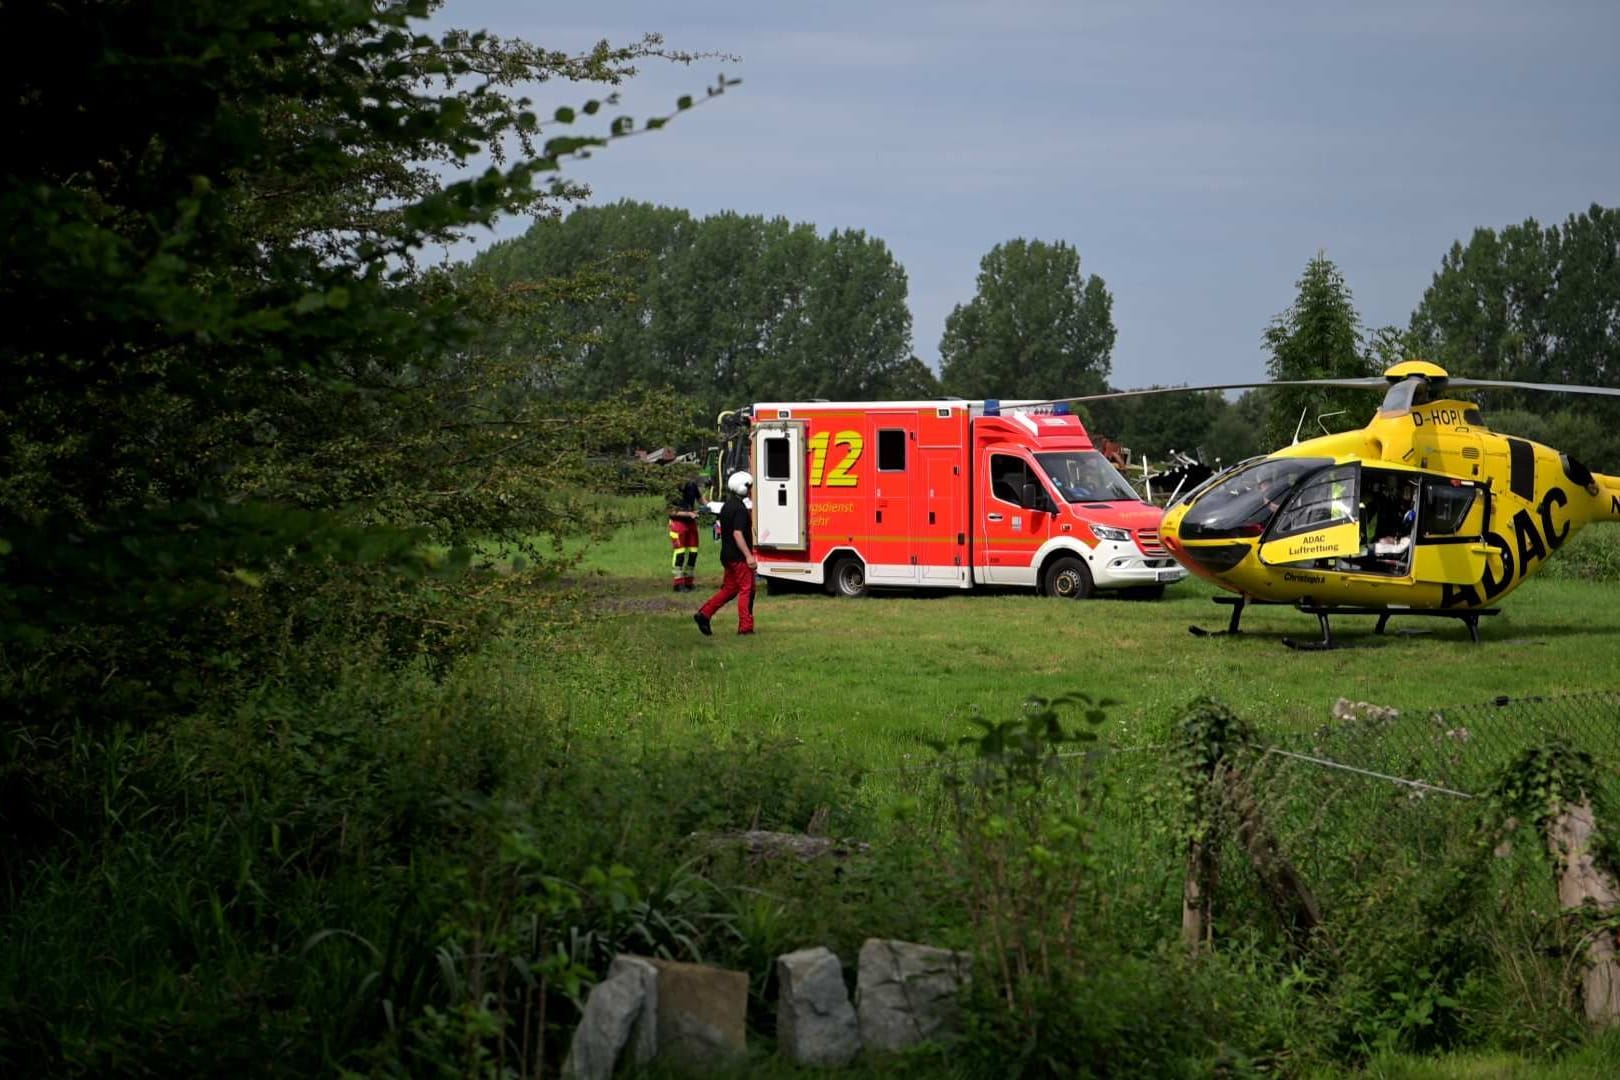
[{"x": 1425, "y": 511}]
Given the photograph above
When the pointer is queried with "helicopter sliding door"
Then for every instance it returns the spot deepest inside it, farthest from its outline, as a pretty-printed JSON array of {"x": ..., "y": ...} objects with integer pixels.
[
  {"x": 1320, "y": 520},
  {"x": 1451, "y": 546}
]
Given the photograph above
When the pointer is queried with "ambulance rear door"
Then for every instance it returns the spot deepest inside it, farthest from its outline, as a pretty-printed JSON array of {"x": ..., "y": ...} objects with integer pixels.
[{"x": 779, "y": 485}]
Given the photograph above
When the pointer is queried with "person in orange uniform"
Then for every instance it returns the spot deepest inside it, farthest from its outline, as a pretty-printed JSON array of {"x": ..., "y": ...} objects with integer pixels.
[
  {"x": 683, "y": 535},
  {"x": 737, "y": 556}
]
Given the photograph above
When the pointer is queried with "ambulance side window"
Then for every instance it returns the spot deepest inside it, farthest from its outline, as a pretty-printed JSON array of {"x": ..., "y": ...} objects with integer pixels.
[
  {"x": 891, "y": 450},
  {"x": 1008, "y": 475}
]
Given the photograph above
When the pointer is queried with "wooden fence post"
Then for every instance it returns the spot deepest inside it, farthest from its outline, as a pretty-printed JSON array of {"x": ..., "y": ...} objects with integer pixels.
[
  {"x": 1291, "y": 899},
  {"x": 1570, "y": 834},
  {"x": 1198, "y": 894}
]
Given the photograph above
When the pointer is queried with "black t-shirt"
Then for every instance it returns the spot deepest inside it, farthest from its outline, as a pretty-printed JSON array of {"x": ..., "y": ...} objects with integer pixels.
[
  {"x": 687, "y": 499},
  {"x": 734, "y": 516}
]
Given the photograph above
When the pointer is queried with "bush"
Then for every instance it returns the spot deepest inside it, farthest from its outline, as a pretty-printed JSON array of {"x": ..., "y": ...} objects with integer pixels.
[
  {"x": 1590, "y": 555},
  {"x": 402, "y": 867}
]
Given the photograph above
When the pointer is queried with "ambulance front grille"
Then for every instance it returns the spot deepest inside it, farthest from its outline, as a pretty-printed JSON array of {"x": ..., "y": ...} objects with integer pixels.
[{"x": 1148, "y": 540}]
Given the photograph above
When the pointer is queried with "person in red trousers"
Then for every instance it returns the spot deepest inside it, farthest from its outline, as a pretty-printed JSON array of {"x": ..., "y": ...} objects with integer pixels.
[
  {"x": 683, "y": 535},
  {"x": 736, "y": 556}
]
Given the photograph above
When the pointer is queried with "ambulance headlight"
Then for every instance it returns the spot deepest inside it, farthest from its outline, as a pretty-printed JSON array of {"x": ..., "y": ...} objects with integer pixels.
[{"x": 1108, "y": 532}]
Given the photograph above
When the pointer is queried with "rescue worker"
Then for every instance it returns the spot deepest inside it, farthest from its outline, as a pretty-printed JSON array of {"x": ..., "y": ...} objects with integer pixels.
[
  {"x": 737, "y": 556},
  {"x": 683, "y": 535}
]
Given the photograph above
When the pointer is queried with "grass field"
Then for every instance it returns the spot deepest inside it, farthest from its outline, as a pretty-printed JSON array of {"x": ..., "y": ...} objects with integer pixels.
[{"x": 872, "y": 678}]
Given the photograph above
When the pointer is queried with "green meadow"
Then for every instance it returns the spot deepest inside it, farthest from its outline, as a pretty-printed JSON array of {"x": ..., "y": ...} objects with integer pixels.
[{"x": 872, "y": 677}]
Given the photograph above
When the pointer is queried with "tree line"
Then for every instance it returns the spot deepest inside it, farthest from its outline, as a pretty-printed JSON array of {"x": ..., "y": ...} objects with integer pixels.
[{"x": 735, "y": 308}]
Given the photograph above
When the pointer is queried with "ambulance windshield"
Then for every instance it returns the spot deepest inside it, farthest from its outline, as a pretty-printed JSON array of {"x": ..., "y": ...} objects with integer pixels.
[{"x": 1086, "y": 476}]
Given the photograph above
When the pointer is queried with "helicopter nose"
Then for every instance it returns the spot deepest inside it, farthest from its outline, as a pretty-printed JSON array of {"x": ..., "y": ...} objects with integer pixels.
[
  {"x": 1205, "y": 559},
  {"x": 1170, "y": 529}
]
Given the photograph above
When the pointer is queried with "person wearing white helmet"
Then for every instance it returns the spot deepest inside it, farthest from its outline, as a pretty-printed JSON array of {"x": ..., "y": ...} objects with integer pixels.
[{"x": 736, "y": 556}]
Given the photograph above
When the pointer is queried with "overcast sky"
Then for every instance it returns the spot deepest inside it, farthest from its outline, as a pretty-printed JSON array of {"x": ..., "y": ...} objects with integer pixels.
[{"x": 1195, "y": 154}]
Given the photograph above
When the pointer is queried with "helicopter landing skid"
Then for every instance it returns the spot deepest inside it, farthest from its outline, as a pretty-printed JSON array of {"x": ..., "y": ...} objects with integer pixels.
[
  {"x": 1237, "y": 604},
  {"x": 1469, "y": 618}
]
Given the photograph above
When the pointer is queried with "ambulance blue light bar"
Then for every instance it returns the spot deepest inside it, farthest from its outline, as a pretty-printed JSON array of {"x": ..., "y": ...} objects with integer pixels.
[{"x": 992, "y": 407}]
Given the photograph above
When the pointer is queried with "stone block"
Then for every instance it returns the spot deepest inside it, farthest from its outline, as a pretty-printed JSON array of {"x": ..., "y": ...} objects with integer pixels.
[
  {"x": 907, "y": 994},
  {"x": 815, "y": 1023}
]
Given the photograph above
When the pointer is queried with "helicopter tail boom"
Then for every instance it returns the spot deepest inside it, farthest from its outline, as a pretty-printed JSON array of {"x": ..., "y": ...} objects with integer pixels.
[{"x": 1608, "y": 497}]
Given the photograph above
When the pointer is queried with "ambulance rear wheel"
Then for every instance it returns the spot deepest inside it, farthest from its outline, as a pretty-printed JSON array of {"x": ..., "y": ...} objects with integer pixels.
[
  {"x": 847, "y": 578},
  {"x": 1067, "y": 578}
]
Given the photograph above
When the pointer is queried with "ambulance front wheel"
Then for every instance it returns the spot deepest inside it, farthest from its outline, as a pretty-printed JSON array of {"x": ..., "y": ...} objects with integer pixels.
[
  {"x": 847, "y": 578},
  {"x": 1068, "y": 578}
]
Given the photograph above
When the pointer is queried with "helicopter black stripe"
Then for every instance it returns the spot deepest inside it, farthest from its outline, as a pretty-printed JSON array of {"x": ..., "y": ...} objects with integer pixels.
[
  {"x": 1442, "y": 541},
  {"x": 1522, "y": 469}
]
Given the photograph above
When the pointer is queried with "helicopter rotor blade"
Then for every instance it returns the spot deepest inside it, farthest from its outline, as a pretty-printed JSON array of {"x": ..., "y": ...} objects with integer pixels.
[
  {"x": 1502, "y": 384},
  {"x": 1376, "y": 382}
]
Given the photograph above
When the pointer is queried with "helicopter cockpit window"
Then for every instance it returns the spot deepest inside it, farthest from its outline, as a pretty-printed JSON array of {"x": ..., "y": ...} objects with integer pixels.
[
  {"x": 1242, "y": 502},
  {"x": 1327, "y": 498},
  {"x": 1445, "y": 507},
  {"x": 1086, "y": 476},
  {"x": 1213, "y": 480}
]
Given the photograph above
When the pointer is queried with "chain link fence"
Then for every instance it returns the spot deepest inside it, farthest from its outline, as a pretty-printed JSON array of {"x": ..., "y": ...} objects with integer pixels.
[
  {"x": 1398, "y": 860},
  {"x": 1375, "y": 799},
  {"x": 1373, "y": 790}
]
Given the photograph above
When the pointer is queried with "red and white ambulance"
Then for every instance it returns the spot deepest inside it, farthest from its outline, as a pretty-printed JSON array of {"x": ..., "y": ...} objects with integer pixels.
[{"x": 941, "y": 494}]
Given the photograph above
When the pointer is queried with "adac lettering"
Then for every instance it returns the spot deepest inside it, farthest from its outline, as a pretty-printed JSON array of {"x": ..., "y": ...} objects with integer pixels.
[
  {"x": 1529, "y": 544},
  {"x": 1614, "y": 504},
  {"x": 1555, "y": 536}
]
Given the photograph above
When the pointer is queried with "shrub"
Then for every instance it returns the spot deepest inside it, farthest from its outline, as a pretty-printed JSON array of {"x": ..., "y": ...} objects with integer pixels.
[{"x": 1591, "y": 555}]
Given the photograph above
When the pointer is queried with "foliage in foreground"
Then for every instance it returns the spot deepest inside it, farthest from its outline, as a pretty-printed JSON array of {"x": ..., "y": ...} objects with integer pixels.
[
  {"x": 242, "y": 426},
  {"x": 397, "y": 873},
  {"x": 422, "y": 870}
]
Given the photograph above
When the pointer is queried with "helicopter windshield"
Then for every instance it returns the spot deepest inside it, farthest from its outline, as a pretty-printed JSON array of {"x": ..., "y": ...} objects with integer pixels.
[
  {"x": 1243, "y": 502},
  {"x": 1193, "y": 493},
  {"x": 1086, "y": 476}
]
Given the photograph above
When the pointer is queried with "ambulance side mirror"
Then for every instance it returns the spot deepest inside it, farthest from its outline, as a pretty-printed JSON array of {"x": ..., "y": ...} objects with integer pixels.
[{"x": 1033, "y": 498}]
